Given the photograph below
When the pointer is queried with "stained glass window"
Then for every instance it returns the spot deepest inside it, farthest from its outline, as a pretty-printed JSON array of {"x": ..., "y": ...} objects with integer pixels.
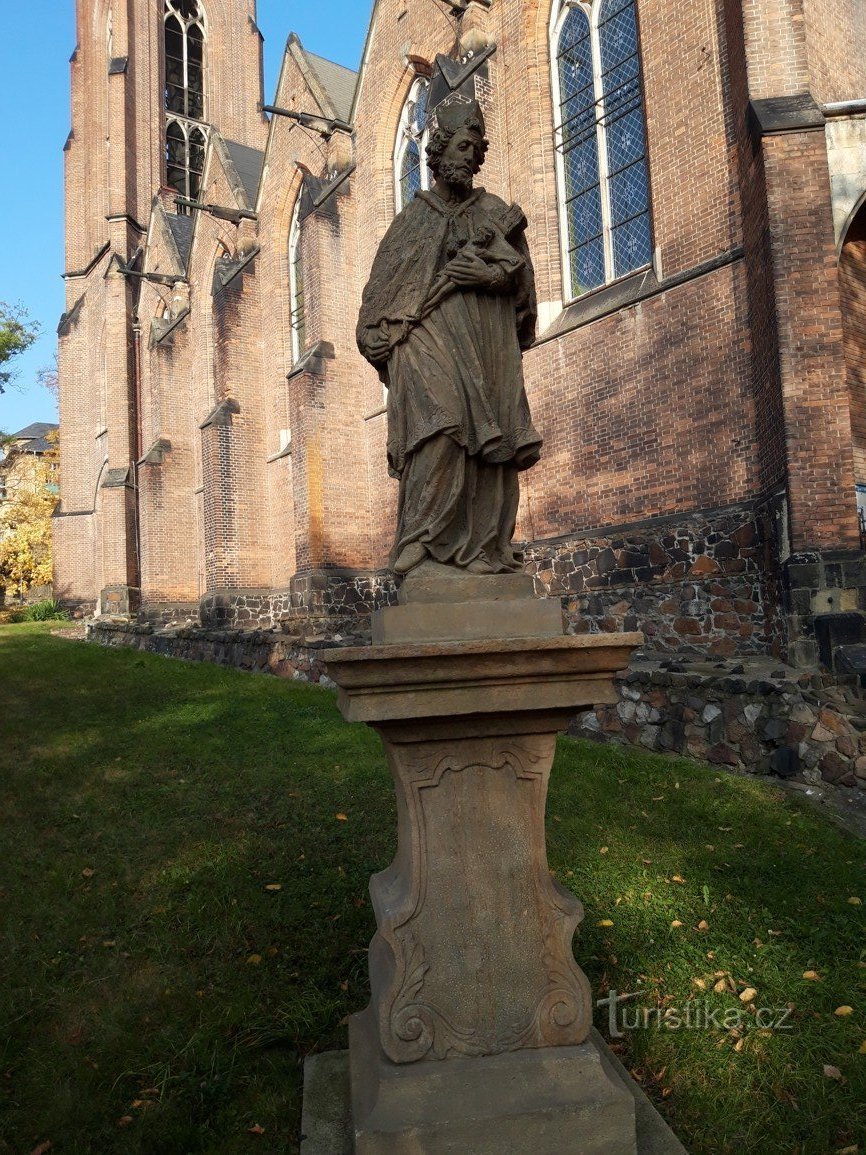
[
  {"x": 600, "y": 142},
  {"x": 410, "y": 160}
]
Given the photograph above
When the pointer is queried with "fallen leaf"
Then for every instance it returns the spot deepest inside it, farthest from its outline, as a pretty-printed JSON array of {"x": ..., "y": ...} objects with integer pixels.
[
  {"x": 88, "y": 872},
  {"x": 604, "y": 922},
  {"x": 703, "y": 925},
  {"x": 256, "y": 1129},
  {"x": 124, "y": 1120},
  {"x": 748, "y": 994},
  {"x": 721, "y": 986},
  {"x": 341, "y": 817},
  {"x": 700, "y": 984},
  {"x": 254, "y": 960},
  {"x": 676, "y": 924},
  {"x": 812, "y": 976},
  {"x": 136, "y": 1103},
  {"x": 740, "y": 1044},
  {"x": 42, "y": 1148},
  {"x": 274, "y": 886},
  {"x": 853, "y": 901},
  {"x": 678, "y": 878},
  {"x": 660, "y": 798},
  {"x": 603, "y": 850},
  {"x": 843, "y": 1012},
  {"x": 862, "y": 1050},
  {"x": 832, "y": 1073}
]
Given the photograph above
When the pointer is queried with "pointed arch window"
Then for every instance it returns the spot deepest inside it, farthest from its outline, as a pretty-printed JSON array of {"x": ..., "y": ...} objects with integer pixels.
[
  {"x": 184, "y": 58},
  {"x": 411, "y": 173},
  {"x": 296, "y": 285},
  {"x": 600, "y": 135},
  {"x": 185, "y": 142}
]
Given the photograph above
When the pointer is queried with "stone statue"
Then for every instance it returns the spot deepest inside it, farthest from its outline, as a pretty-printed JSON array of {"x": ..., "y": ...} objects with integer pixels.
[{"x": 448, "y": 310}]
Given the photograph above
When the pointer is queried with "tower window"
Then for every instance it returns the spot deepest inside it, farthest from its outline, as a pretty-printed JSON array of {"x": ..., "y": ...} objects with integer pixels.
[
  {"x": 184, "y": 158},
  {"x": 410, "y": 160},
  {"x": 184, "y": 59},
  {"x": 185, "y": 143},
  {"x": 600, "y": 142}
]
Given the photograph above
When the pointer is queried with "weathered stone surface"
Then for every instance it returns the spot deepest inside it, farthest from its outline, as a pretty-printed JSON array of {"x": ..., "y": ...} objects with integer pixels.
[
  {"x": 429, "y": 621},
  {"x": 549, "y": 1102}
]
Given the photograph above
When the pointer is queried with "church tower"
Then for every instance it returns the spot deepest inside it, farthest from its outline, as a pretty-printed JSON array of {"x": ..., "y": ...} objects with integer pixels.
[{"x": 151, "y": 80}]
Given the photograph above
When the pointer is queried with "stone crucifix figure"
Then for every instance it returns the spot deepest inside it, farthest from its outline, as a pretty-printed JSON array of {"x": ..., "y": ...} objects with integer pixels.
[{"x": 446, "y": 315}]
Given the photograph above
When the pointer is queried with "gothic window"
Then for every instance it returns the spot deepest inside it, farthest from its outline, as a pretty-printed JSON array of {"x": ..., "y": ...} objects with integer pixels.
[
  {"x": 410, "y": 159},
  {"x": 185, "y": 146},
  {"x": 184, "y": 96},
  {"x": 184, "y": 59},
  {"x": 296, "y": 285},
  {"x": 600, "y": 142}
]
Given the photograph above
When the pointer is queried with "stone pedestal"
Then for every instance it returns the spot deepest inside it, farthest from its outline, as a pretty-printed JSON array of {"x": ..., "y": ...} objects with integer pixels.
[{"x": 479, "y": 1015}]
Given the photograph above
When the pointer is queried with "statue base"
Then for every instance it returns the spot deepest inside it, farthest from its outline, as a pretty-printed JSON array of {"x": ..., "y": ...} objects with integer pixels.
[
  {"x": 475, "y": 1039},
  {"x": 548, "y": 1101},
  {"x": 327, "y": 1126}
]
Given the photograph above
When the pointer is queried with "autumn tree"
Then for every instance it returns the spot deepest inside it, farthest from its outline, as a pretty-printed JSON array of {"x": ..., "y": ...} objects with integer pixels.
[
  {"x": 17, "y": 333},
  {"x": 25, "y": 523}
]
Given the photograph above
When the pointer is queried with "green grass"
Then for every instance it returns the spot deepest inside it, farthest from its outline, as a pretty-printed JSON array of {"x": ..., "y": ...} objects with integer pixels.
[{"x": 148, "y": 804}]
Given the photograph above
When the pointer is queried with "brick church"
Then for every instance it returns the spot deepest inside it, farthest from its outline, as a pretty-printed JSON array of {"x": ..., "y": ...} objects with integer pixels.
[{"x": 694, "y": 177}]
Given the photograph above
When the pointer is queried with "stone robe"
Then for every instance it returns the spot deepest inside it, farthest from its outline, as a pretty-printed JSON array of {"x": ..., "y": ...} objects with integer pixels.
[{"x": 459, "y": 427}]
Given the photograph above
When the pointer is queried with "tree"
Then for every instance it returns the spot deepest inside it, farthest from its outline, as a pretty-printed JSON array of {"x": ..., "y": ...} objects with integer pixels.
[
  {"x": 49, "y": 378},
  {"x": 17, "y": 333},
  {"x": 25, "y": 524}
]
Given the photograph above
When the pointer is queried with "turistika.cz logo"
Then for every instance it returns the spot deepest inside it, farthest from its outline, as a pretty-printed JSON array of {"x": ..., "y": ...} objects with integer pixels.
[{"x": 699, "y": 1015}]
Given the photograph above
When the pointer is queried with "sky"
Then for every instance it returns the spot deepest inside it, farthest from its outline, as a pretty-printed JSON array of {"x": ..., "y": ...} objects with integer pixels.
[{"x": 38, "y": 39}]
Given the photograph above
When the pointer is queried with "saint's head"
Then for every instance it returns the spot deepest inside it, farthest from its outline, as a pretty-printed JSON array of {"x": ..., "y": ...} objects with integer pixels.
[{"x": 457, "y": 145}]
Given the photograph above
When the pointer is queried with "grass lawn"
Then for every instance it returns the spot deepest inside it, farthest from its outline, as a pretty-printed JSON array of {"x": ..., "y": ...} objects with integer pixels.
[{"x": 185, "y": 916}]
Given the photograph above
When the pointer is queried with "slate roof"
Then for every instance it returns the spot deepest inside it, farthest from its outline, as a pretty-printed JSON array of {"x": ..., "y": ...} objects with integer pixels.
[
  {"x": 248, "y": 163},
  {"x": 337, "y": 81},
  {"x": 36, "y": 437},
  {"x": 35, "y": 432},
  {"x": 181, "y": 230}
]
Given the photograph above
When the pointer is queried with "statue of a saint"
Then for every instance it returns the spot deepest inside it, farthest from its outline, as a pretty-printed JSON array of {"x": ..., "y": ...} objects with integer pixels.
[{"x": 448, "y": 310}]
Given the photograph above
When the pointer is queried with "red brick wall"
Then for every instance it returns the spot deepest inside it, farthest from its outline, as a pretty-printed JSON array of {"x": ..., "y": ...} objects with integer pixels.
[
  {"x": 852, "y": 277},
  {"x": 708, "y": 394}
]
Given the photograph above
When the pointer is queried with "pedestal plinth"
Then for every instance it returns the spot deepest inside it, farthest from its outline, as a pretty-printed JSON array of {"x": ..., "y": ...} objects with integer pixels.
[{"x": 476, "y": 995}]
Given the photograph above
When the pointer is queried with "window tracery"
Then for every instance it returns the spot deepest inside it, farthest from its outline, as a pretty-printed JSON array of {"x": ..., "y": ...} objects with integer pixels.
[
  {"x": 410, "y": 155},
  {"x": 296, "y": 285},
  {"x": 184, "y": 29},
  {"x": 600, "y": 135}
]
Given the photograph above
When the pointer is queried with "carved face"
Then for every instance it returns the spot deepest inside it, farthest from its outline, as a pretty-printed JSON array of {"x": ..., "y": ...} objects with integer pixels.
[{"x": 461, "y": 159}]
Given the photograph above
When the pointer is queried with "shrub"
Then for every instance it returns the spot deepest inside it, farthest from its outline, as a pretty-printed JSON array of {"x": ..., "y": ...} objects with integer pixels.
[{"x": 47, "y": 611}]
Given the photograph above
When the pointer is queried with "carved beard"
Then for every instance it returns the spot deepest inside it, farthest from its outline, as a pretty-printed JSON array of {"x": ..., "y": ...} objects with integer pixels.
[{"x": 458, "y": 175}]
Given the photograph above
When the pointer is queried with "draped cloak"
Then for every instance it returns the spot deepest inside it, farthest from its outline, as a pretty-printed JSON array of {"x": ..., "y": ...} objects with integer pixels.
[{"x": 459, "y": 427}]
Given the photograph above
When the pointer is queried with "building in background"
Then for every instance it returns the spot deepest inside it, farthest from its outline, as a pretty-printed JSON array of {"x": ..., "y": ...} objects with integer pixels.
[
  {"x": 694, "y": 179},
  {"x": 29, "y": 461}
]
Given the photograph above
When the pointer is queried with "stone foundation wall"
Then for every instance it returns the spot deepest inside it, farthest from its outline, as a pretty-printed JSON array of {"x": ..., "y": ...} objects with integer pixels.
[
  {"x": 707, "y": 584},
  {"x": 327, "y": 595},
  {"x": 797, "y": 725},
  {"x": 258, "y": 651}
]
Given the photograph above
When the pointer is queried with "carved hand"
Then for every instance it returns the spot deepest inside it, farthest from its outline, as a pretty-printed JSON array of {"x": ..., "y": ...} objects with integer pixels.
[
  {"x": 378, "y": 346},
  {"x": 468, "y": 270}
]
